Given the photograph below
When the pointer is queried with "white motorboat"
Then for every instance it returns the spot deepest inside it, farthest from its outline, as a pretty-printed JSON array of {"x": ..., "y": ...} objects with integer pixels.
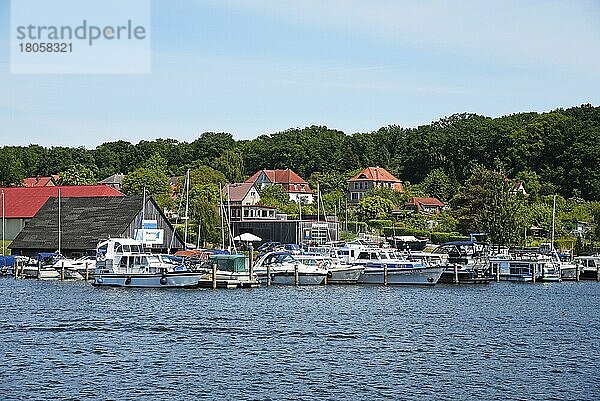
[
  {"x": 588, "y": 266},
  {"x": 122, "y": 262},
  {"x": 281, "y": 268},
  {"x": 338, "y": 272},
  {"x": 383, "y": 266},
  {"x": 524, "y": 266}
]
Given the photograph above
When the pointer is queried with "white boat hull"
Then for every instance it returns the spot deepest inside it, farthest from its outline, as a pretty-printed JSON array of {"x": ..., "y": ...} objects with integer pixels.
[
  {"x": 344, "y": 275},
  {"x": 288, "y": 278},
  {"x": 402, "y": 276},
  {"x": 147, "y": 280}
]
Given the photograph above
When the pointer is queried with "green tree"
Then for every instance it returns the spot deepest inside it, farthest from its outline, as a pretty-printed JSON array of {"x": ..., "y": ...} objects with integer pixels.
[
  {"x": 374, "y": 208},
  {"x": 231, "y": 164},
  {"x": 438, "y": 185},
  {"x": 77, "y": 174},
  {"x": 489, "y": 203},
  {"x": 274, "y": 196},
  {"x": 11, "y": 168},
  {"x": 152, "y": 177}
]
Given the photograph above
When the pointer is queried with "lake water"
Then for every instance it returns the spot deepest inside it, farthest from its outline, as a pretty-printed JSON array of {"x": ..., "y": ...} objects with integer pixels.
[{"x": 500, "y": 341}]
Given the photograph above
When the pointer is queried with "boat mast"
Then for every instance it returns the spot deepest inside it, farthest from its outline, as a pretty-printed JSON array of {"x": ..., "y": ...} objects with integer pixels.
[
  {"x": 3, "y": 226},
  {"x": 187, "y": 207},
  {"x": 553, "y": 219},
  {"x": 318, "y": 202},
  {"x": 229, "y": 224},
  {"x": 222, "y": 212},
  {"x": 59, "y": 233}
]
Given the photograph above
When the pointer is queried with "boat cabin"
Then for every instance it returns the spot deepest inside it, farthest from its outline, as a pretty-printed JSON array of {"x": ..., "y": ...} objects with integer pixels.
[
  {"x": 126, "y": 255},
  {"x": 230, "y": 263}
]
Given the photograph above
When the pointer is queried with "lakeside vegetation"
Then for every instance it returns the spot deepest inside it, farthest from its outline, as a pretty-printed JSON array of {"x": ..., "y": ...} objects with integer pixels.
[{"x": 469, "y": 161}]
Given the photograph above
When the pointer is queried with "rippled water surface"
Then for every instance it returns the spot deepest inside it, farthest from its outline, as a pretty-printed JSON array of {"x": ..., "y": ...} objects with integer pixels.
[{"x": 502, "y": 341}]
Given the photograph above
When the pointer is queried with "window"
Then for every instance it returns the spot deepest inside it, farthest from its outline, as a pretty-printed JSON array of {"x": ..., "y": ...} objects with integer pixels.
[{"x": 354, "y": 196}]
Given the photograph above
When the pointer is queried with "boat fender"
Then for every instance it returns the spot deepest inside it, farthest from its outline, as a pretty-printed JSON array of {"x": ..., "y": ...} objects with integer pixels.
[
  {"x": 99, "y": 280},
  {"x": 128, "y": 280},
  {"x": 430, "y": 279},
  {"x": 329, "y": 274},
  {"x": 163, "y": 280}
]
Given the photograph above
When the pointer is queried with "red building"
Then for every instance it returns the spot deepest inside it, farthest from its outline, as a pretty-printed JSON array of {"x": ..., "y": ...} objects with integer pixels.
[{"x": 22, "y": 203}]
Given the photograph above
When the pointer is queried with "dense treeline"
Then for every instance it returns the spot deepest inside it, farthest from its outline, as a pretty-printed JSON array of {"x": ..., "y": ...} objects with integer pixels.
[
  {"x": 466, "y": 160},
  {"x": 559, "y": 150}
]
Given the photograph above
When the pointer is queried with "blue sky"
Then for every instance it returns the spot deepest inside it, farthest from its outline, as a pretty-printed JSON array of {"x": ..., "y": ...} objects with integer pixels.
[{"x": 252, "y": 67}]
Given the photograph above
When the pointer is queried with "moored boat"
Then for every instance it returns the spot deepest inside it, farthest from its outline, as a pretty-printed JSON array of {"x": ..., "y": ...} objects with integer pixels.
[
  {"x": 122, "y": 262},
  {"x": 282, "y": 268}
]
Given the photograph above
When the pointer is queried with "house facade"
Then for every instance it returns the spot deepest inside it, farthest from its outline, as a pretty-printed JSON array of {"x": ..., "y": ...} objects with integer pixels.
[
  {"x": 241, "y": 194},
  {"x": 427, "y": 205},
  {"x": 297, "y": 189},
  {"x": 369, "y": 178}
]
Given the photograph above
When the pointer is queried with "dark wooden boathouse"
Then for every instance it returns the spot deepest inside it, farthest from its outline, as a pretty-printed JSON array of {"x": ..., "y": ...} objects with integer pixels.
[{"x": 87, "y": 220}]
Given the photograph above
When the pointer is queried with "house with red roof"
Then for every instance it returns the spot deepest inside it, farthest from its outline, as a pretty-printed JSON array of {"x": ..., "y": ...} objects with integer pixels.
[
  {"x": 241, "y": 194},
  {"x": 40, "y": 181},
  {"x": 21, "y": 204},
  {"x": 428, "y": 205},
  {"x": 297, "y": 189},
  {"x": 369, "y": 178}
]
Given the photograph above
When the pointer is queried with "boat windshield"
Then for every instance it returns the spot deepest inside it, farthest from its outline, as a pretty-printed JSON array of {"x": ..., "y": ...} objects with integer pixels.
[{"x": 279, "y": 258}]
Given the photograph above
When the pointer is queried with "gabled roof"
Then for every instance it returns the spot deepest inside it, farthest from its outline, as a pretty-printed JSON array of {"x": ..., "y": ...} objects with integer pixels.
[
  {"x": 278, "y": 176},
  {"x": 84, "y": 221},
  {"x": 113, "y": 179},
  {"x": 283, "y": 177},
  {"x": 419, "y": 203},
  {"x": 24, "y": 203},
  {"x": 40, "y": 181},
  {"x": 375, "y": 174},
  {"x": 238, "y": 191}
]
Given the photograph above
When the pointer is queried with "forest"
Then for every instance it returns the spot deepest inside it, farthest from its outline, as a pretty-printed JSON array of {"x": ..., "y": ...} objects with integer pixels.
[{"x": 469, "y": 161}]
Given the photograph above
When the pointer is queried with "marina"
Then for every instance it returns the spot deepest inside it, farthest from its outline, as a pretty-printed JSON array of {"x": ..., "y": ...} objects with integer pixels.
[{"x": 363, "y": 341}]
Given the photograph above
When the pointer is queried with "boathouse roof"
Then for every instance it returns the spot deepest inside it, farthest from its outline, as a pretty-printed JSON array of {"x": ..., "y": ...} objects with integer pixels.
[
  {"x": 25, "y": 202},
  {"x": 86, "y": 221}
]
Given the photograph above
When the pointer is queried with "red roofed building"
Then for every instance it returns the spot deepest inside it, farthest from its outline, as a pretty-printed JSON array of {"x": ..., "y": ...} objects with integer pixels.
[
  {"x": 40, "y": 181},
  {"x": 425, "y": 205},
  {"x": 297, "y": 189},
  {"x": 369, "y": 178},
  {"x": 244, "y": 193},
  {"x": 22, "y": 203}
]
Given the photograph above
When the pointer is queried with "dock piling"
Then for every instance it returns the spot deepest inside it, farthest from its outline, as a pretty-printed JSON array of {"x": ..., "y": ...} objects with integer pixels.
[
  {"x": 455, "y": 273},
  {"x": 214, "y": 275},
  {"x": 534, "y": 272},
  {"x": 251, "y": 262},
  {"x": 385, "y": 274},
  {"x": 497, "y": 272},
  {"x": 268, "y": 275},
  {"x": 576, "y": 272},
  {"x": 87, "y": 271},
  {"x": 62, "y": 271},
  {"x": 598, "y": 273},
  {"x": 39, "y": 269},
  {"x": 296, "y": 275}
]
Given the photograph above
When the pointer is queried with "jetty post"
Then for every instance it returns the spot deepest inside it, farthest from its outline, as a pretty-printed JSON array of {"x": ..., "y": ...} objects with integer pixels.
[
  {"x": 251, "y": 262},
  {"x": 214, "y": 275},
  {"x": 296, "y": 275},
  {"x": 498, "y": 272},
  {"x": 268, "y": 274},
  {"x": 598, "y": 273},
  {"x": 62, "y": 271},
  {"x": 87, "y": 271},
  {"x": 534, "y": 272},
  {"x": 39, "y": 269},
  {"x": 455, "y": 273},
  {"x": 385, "y": 274}
]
